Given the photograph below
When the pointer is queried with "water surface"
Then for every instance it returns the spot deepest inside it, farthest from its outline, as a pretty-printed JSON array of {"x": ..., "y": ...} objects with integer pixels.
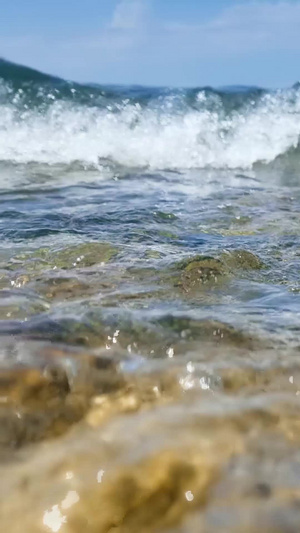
[{"x": 149, "y": 307}]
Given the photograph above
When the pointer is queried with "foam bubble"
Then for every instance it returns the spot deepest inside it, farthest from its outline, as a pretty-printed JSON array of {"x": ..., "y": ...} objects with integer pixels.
[{"x": 158, "y": 137}]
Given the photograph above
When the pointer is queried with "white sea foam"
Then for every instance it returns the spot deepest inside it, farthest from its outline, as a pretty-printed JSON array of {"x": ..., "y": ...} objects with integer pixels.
[{"x": 152, "y": 137}]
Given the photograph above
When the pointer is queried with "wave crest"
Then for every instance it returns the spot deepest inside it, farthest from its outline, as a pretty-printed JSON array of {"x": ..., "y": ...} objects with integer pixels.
[{"x": 51, "y": 121}]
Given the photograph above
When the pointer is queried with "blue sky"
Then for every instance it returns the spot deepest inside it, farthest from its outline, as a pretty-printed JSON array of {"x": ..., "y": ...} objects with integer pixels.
[{"x": 157, "y": 42}]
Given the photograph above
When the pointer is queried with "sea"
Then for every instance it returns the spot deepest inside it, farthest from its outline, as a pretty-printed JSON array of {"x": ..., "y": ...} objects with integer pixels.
[{"x": 149, "y": 307}]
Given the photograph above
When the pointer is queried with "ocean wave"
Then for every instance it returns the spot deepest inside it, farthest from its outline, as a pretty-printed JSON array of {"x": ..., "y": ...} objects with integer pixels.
[{"x": 47, "y": 120}]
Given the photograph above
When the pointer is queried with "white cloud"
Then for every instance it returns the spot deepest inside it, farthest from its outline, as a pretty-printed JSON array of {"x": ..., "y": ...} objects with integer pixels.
[
  {"x": 129, "y": 14},
  {"x": 124, "y": 33},
  {"x": 117, "y": 41},
  {"x": 266, "y": 25},
  {"x": 243, "y": 28}
]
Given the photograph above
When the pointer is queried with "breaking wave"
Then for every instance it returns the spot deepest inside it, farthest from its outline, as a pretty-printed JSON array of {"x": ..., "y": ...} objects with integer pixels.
[{"x": 49, "y": 120}]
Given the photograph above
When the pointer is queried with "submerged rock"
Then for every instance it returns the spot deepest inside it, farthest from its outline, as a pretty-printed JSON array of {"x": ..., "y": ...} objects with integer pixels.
[
  {"x": 209, "y": 331},
  {"x": 221, "y": 456},
  {"x": 204, "y": 271},
  {"x": 64, "y": 288},
  {"x": 199, "y": 271},
  {"x": 84, "y": 255},
  {"x": 242, "y": 259},
  {"x": 21, "y": 305},
  {"x": 78, "y": 256},
  {"x": 251, "y": 380},
  {"x": 156, "y": 338},
  {"x": 45, "y": 389}
]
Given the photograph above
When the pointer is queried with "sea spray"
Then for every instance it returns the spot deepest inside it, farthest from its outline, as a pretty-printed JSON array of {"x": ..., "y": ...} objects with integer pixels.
[{"x": 53, "y": 121}]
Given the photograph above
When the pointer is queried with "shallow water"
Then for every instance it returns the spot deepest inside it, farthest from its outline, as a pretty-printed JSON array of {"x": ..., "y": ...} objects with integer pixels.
[{"x": 149, "y": 308}]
